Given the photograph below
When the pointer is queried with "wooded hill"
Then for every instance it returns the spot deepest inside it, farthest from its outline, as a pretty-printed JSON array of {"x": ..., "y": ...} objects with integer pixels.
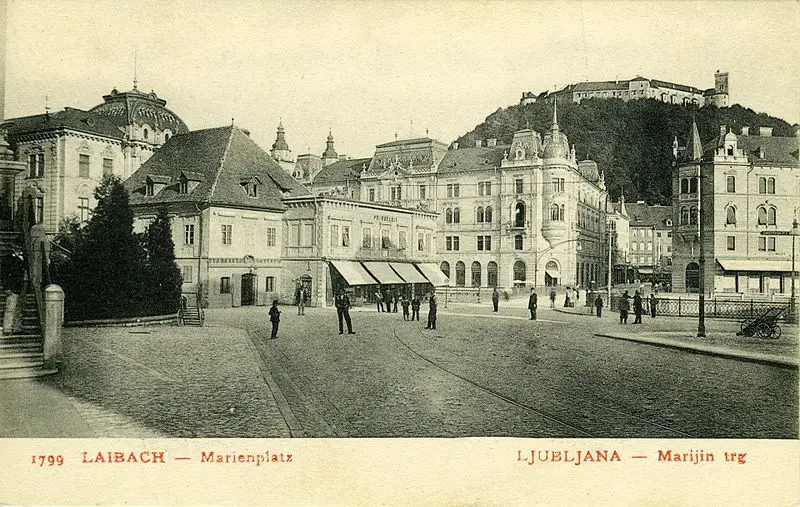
[{"x": 630, "y": 141}]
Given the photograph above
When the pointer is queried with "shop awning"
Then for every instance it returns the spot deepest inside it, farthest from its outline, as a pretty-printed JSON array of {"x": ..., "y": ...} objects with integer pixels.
[
  {"x": 553, "y": 272},
  {"x": 757, "y": 265},
  {"x": 645, "y": 270},
  {"x": 433, "y": 274},
  {"x": 354, "y": 273},
  {"x": 408, "y": 272},
  {"x": 383, "y": 272}
]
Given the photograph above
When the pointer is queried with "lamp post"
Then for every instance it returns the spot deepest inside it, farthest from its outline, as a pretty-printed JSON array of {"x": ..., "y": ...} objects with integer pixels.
[
  {"x": 792, "y": 299},
  {"x": 701, "y": 314}
]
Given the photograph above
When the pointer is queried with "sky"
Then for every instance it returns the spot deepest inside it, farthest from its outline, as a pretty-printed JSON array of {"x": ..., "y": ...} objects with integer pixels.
[{"x": 372, "y": 70}]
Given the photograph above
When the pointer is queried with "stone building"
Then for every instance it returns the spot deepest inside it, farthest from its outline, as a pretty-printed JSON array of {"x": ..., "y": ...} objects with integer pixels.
[
  {"x": 68, "y": 152},
  {"x": 650, "y": 244},
  {"x": 747, "y": 184},
  {"x": 224, "y": 195}
]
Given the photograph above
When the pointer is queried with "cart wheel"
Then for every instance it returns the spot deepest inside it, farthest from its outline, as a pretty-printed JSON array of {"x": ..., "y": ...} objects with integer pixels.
[
  {"x": 776, "y": 332},
  {"x": 763, "y": 331}
]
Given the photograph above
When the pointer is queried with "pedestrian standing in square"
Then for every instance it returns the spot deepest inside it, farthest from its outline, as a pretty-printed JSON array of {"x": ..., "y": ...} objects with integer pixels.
[
  {"x": 653, "y": 303},
  {"x": 532, "y": 303},
  {"x": 405, "y": 302},
  {"x": 342, "y": 303},
  {"x": 624, "y": 306},
  {"x": 274, "y": 318},
  {"x": 379, "y": 300},
  {"x": 552, "y": 298},
  {"x": 432, "y": 304},
  {"x": 495, "y": 299},
  {"x": 598, "y": 304},
  {"x": 301, "y": 301},
  {"x": 637, "y": 308},
  {"x": 415, "y": 308}
]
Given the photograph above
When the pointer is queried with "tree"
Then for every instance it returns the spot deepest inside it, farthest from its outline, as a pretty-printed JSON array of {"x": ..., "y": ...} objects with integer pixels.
[{"x": 163, "y": 278}]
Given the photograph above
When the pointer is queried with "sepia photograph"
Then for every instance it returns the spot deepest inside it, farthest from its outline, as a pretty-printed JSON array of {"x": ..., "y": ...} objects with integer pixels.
[{"x": 313, "y": 223}]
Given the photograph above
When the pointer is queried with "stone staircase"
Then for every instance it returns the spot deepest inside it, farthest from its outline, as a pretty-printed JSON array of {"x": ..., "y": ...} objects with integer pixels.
[
  {"x": 21, "y": 355},
  {"x": 192, "y": 316}
]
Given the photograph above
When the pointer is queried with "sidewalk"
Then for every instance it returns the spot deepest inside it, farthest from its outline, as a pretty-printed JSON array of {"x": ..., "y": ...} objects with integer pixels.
[{"x": 681, "y": 333}]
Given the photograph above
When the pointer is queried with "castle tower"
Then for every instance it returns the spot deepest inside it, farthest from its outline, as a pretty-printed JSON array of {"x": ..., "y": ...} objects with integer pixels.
[
  {"x": 329, "y": 156},
  {"x": 280, "y": 150}
]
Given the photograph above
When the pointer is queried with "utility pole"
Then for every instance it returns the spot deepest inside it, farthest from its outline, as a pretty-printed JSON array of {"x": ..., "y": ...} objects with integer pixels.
[
  {"x": 701, "y": 322},
  {"x": 608, "y": 289}
]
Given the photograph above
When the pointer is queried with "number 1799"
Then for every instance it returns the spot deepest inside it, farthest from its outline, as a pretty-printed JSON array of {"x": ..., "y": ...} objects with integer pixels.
[{"x": 47, "y": 459}]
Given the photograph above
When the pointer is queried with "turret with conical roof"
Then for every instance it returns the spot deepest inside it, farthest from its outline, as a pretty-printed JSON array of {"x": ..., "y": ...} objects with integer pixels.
[
  {"x": 556, "y": 144},
  {"x": 329, "y": 156},
  {"x": 694, "y": 148}
]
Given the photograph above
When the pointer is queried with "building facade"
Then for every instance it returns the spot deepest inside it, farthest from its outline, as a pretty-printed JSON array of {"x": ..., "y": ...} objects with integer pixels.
[
  {"x": 746, "y": 184},
  {"x": 650, "y": 244}
]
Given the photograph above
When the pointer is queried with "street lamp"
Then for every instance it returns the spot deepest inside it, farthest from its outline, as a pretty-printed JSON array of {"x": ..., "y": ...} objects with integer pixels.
[{"x": 544, "y": 251}]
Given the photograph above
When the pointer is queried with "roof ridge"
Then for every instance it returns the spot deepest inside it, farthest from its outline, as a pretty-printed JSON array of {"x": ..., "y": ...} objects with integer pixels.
[{"x": 221, "y": 163}]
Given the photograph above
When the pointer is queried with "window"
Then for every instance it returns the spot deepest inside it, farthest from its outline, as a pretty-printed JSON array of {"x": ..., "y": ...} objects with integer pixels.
[
  {"x": 685, "y": 186},
  {"x": 186, "y": 272},
  {"x": 770, "y": 185},
  {"x": 423, "y": 190},
  {"x": 484, "y": 243},
  {"x": 766, "y": 215},
  {"x": 83, "y": 209},
  {"x": 693, "y": 215},
  {"x": 684, "y": 216},
  {"x": 421, "y": 242},
  {"x": 334, "y": 235},
  {"x": 366, "y": 237},
  {"x": 561, "y": 213},
  {"x": 453, "y": 190},
  {"x": 491, "y": 274},
  {"x": 558, "y": 184},
  {"x": 484, "y": 188},
  {"x": 519, "y": 215},
  {"x": 731, "y": 184},
  {"x": 225, "y": 285},
  {"x": 188, "y": 234},
  {"x": 108, "y": 166},
  {"x": 771, "y": 216},
  {"x": 518, "y": 242},
  {"x": 452, "y": 243},
  {"x": 766, "y": 244},
  {"x": 396, "y": 193},
  {"x": 386, "y": 241},
  {"x": 371, "y": 195},
  {"x": 271, "y": 235},
  {"x": 770, "y": 244},
  {"x": 554, "y": 212},
  {"x": 428, "y": 242},
  {"x": 479, "y": 215},
  {"x": 448, "y": 216},
  {"x": 227, "y": 234},
  {"x": 146, "y": 133},
  {"x": 518, "y": 185},
  {"x": 270, "y": 285},
  {"x": 294, "y": 235},
  {"x": 32, "y": 165},
  {"x": 460, "y": 274},
  {"x": 445, "y": 267},
  {"x": 346, "y": 235},
  {"x": 83, "y": 166},
  {"x": 658, "y": 234},
  {"x": 762, "y": 185},
  {"x": 487, "y": 215},
  {"x": 38, "y": 212},
  {"x": 251, "y": 189},
  {"x": 730, "y": 215},
  {"x": 693, "y": 185},
  {"x": 456, "y": 216},
  {"x": 183, "y": 187},
  {"x": 36, "y": 165},
  {"x": 149, "y": 189},
  {"x": 308, "y": 234},
  {"x": 731, "y": 242},
  {"x": 476, "y": 274}
]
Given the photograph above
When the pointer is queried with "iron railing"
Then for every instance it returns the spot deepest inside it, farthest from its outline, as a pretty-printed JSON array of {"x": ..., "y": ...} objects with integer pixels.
[{"x": 714, "y": 308}]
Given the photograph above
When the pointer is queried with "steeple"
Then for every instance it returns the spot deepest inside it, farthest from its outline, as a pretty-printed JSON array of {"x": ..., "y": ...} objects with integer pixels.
[
  {"x": 329, "y": 155},
  {"x": 280, "y": 141},
  {"x": 694, "y": 148},
  {"x": 555, "y": 115},
  {"x": 622, "y": 209}
]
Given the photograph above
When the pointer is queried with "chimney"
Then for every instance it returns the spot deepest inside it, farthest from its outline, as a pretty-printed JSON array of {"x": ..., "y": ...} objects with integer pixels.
[
  {"x": 745, "y": 131},
  {"x": 765, "y": 131},
  {"x": 723, "y": 129},
  {"x": 454, "y": 146},
  {"x": 491, "y": 142},
  {"x": 478, "y": 143}
]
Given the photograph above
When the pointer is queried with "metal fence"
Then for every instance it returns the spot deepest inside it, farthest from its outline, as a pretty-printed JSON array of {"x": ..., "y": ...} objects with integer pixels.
[{"x": 714, "y": 308}]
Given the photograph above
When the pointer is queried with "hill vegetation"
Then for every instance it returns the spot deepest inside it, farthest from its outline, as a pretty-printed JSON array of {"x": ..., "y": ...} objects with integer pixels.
[{"x": 630, "y": 141}]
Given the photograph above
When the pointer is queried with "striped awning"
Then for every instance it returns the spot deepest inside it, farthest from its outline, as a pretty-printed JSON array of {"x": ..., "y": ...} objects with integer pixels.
[
  {"x": 433, "y": 274},
  {"x": 408, "y": 272},
  {"x": 354, "y": 273},
  {"x": 383, "y": 272},
  {"x": 756, "y": 265}
]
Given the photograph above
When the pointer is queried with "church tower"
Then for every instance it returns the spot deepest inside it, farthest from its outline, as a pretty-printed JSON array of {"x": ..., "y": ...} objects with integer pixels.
[
  {"x": 329, "y": 156},
  {"x": 280, "y": 151}
]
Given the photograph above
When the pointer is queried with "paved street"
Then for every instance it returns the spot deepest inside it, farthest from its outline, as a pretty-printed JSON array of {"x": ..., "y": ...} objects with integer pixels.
[{"x": 502, "y": 375}]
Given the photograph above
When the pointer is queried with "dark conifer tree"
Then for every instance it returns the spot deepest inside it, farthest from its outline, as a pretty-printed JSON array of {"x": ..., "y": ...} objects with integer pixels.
[{"x": 163, "y": 278}]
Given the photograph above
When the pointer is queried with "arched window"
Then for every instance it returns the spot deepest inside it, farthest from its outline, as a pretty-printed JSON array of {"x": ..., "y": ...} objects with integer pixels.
[
  {"x": 693, "y": 186},
  {"x": 519, "y": 215},
  {"x": 166, "y": 137},
  {"x": 561, "y": 213},
  {"x": 771, "y": 218},
  {"x": 684, "y": 216},
  {"x": 491, "y": 273},
  {"x": 476, "y": 274},
  {"x": 685, "y": 186},
  {"x": 487, "y": 215},
  {"x": 479, "y": 215},
  {"x": 770, "y": 185},
  {"x": 730, "y": 215},
  {"x": 762, "y": 185},
  {"x": 518, "y": 242},
  {"x": 519, "y": 271},
  {"x": 762, "y": 215},
  {"x": 445, "y": 267},
  {"x": 460, "y": 274},
  {"x": 554, "y": 212},
  {"x": 731, "y": 184},
  {"x": 146, "y": 133},
  {"x": 448, "y": 216},
  {"x": 693, "y": 216},
  {"x": 456, "y": 216}
]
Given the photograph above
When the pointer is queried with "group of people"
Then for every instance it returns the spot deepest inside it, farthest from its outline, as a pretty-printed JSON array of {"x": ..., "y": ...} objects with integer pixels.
[{"x": 638, "y": 307}]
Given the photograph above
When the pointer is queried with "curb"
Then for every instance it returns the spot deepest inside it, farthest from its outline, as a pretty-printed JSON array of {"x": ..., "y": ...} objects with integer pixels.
[
  {"x": 152, "y": 320},
  {"x": 751, "y": 357}
]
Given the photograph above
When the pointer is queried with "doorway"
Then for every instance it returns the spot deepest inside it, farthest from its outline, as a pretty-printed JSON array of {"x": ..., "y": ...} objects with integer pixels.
[{"x": 248, "y": 289}]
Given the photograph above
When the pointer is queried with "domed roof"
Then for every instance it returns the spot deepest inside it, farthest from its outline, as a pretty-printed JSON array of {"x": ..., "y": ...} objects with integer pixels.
[
  {"x": 589, "y": 170},
  {"x": 556, "y": 145},
  {"x": 126, "y": 108},
  {"x": 730, "y": 136}
]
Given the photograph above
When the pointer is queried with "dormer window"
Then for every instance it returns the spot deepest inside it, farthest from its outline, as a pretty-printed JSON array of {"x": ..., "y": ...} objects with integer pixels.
[
  {"x": 250, "y": 185},
  {"x": 154, "y": 183},
  {"x": 149, "y": 188},
  {"x": 183, "y": 186}
]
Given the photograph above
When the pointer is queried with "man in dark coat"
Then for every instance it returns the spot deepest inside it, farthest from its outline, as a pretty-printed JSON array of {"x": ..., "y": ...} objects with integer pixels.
[
  {"x": 495, "y": 299},
  {"x": 274, "y": 318},
  {"x": 532, "y": 302},
  {"x": 432, "y": 304},
  {"x": 598, "y": 304},
  {"x": 624, "y": 307},
  {"x": 415, "y": 308},
  {"x": 552, "y": 298},
  {"x": 342, "y": 303},
  {"x": 405, "y": 302},
  {"x": 379, "y": 299},
  {"x": 637, "y": 308},
  {"x": 653, "y": 303},
  {"x": 395, "y": 299}
]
